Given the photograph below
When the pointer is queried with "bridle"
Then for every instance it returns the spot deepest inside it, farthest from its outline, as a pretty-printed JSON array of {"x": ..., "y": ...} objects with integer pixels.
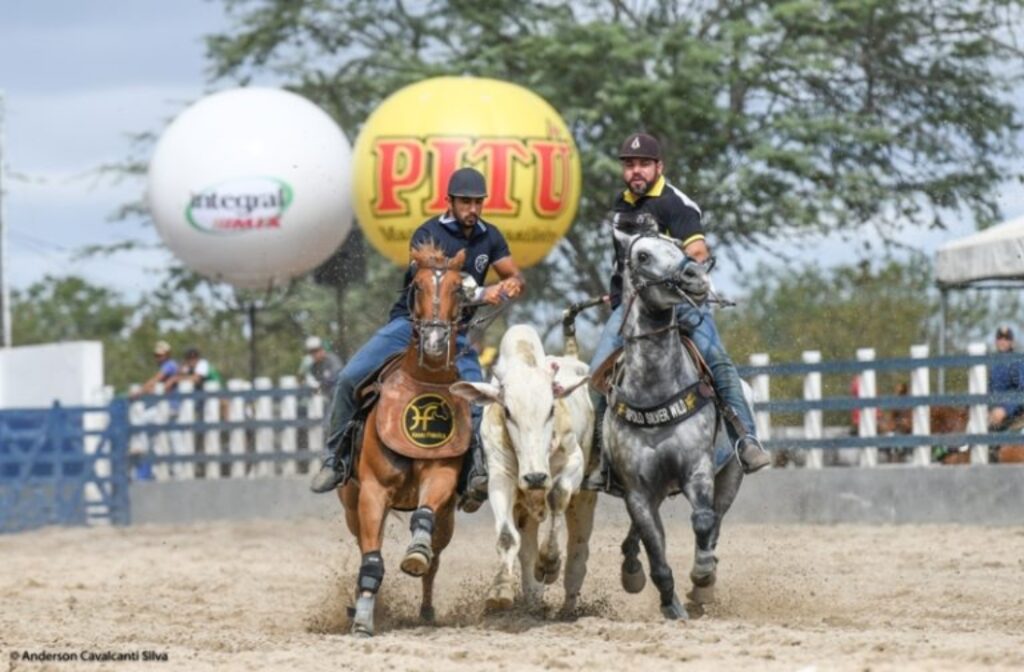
[
  {"x": 641, "y": 281},
  {"x": 421, "y": 327}
]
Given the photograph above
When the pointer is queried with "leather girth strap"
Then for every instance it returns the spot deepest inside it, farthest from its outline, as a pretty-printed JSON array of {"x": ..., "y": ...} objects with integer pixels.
[{"x": 609, "y": 371}]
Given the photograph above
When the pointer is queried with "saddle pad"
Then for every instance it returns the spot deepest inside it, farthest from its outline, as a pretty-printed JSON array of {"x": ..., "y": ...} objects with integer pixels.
[{"x": 422, "y": 421}]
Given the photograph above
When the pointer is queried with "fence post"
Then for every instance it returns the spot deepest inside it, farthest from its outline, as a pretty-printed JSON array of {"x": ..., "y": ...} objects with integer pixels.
[
  {"x": 138, "y": 442},
  {"x": 160, "y": 443},
  {"x": 868, "y": 416},
  {"x": 812, "y": 418},
  {"x": 265, "y": 435},
  {"x": 186, "y": 441},
  {"x": 289, "y": 411},
  {"x": 761, "y": 383},
  {"x": 315, "y": 434},
  {"x": 119, "y": 428},
  {"x": 977, "y": 421},
  {"x": 95, "y": 424},
  {"x": 211, "y": 437},
  {"x": 236, "y": 414},
  {"x": 922, "y": 421}
]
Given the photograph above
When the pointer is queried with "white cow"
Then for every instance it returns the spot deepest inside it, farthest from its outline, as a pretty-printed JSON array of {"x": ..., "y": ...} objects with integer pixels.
[{"x": 537, "y": 432}]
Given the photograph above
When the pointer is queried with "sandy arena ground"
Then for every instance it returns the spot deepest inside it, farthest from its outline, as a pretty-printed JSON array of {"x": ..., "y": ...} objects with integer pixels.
[{"x": 271, "y": 596}]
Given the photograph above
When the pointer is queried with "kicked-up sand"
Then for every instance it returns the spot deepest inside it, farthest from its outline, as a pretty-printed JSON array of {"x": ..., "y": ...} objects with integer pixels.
[{"x": 272, "y": 595}]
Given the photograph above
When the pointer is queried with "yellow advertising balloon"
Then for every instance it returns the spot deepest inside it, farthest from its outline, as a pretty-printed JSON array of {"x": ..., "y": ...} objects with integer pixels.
[{"x": 421, "y": 134}]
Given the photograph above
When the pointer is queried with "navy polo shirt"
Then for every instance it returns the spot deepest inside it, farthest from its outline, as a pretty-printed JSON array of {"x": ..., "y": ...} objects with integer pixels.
[{"x": 484, "y": 246}]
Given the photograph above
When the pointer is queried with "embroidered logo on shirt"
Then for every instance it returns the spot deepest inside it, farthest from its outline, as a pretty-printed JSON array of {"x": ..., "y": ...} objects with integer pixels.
[{"x": 481, "y": 263}]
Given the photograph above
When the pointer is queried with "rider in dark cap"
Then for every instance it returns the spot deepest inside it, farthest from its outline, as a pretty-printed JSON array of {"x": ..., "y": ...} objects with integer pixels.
[
  {"x": 647, "y": 192},
  {"x": 459, "y": 228}
]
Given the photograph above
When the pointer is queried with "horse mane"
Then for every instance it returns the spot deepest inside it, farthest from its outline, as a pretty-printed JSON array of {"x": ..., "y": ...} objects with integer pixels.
[{"x": 428, "y": 254}]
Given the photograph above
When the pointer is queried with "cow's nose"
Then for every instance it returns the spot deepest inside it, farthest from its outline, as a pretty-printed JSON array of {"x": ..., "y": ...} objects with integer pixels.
[{"x": 536, "y": 481}]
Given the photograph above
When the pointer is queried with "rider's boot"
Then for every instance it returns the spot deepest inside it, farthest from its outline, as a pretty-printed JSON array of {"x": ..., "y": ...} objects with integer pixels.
[
  {"x": 473, "y": 480},
  {"x": 598, "y": 477},
  {"x": 601, "y": 477},
  {"x": 335, "y": 467},
  {"x": 752, "y": 454}
]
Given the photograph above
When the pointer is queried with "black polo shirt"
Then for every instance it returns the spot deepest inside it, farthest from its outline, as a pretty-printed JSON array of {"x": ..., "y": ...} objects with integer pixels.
[
  {"x": 484, "y": 246},
  {"x": 677, "y": 216}
]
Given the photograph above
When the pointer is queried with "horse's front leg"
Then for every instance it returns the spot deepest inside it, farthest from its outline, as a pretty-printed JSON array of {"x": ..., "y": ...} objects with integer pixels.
[
  {"x": 372, "y": 509},
  {"x": 643, "y": 512},
  {"x": 699, "y": 488},
  {"x": 727, "y": 485},
  {"x": 437, "y": 480},
  {"x": 443, "y": 530}
]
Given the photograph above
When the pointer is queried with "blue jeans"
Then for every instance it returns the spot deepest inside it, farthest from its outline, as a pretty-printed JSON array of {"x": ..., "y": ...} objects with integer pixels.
[
  {"x": 701, "y": 325},
  {"x": 390, "y": 339}
]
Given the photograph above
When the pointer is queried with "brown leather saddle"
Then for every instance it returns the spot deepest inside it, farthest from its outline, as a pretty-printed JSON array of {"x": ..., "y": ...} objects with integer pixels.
[{"x": 417, "y": 419}]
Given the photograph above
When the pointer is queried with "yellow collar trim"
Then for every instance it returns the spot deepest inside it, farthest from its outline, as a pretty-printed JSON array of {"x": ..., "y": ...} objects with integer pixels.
[{"x": 655, "y": 190}]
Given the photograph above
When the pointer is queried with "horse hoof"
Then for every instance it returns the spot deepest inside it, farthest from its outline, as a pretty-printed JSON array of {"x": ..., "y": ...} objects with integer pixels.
[
  {"x": 674, "y": 611},
  {"x": 546, "y": 570},
  {"x": 701, "y": 594},
  {"x": 415, "y": 563},
  {"x": 362, "y": 622},
  {"x": 500, "y": 599},
  {"x": 633, "y": 579},
  {"x": 427, "y": 615},
  {"x": 417, "y": 559}
]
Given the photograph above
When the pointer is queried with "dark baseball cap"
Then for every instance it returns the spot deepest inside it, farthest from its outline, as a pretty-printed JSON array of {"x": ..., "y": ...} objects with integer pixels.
[
  {"x": 640, "y": 146},
  {"x": 1004, "y": 332}
]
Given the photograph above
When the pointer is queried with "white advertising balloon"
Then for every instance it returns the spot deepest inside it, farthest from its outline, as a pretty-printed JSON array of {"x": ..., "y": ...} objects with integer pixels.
[{"x": 252, "y": 186}]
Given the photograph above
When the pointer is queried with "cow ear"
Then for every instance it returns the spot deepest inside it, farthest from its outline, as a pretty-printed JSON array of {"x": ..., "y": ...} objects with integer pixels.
[
  {"x": 477, "y": 393},
  {"x": 560, "y": 390}
]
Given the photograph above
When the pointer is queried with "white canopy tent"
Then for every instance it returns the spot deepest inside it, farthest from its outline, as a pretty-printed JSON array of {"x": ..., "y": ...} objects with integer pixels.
[
  {"x": 989, "y": 259},
  {"x": 993, "y": 254}
]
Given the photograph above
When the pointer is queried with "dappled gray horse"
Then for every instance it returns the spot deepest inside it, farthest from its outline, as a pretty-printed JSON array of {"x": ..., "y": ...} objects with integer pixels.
[{"x": 660, "y": 429}]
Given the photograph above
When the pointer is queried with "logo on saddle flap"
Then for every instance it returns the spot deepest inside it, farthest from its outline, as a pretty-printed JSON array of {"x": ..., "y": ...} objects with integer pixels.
[{"x": 428, "y": 421}]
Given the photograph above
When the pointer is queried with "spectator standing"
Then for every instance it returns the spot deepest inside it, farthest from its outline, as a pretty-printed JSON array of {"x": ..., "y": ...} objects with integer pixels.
[
  {"x": 167, "y": 370},
  {"x": 324, "y": 365},
  {"x": 1005, "y": 377},
  {"x": 198, "y": 370}
]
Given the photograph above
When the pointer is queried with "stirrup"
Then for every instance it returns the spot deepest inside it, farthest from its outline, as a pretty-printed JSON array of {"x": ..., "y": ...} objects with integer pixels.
[{"x": 758, "y": 460}]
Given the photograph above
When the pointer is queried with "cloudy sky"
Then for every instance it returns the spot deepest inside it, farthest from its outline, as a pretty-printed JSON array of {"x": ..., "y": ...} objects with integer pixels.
[{"x": 78, "y": 78}]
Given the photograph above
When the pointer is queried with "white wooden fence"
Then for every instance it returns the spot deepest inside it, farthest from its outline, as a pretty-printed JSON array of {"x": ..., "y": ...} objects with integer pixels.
[{"x": 261, "y": 431}]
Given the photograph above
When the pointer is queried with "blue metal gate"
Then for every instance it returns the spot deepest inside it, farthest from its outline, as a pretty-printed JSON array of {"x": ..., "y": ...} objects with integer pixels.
[{"x": 56, "y": 471}]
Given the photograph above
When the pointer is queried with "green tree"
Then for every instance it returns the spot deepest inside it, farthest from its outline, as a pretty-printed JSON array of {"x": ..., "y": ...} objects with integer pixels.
[
  {"x": 780, "y": 117},
  {"x": 66, "y": 309}
]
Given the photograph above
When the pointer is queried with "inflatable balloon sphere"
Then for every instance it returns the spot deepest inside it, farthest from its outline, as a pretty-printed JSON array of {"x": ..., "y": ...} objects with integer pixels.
[
  {"x": 252, "y": 186},
  {"x": 421, "y": 134}
]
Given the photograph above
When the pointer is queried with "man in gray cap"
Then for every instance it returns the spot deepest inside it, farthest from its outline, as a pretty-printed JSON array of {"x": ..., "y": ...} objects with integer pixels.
[
  {"x": 461, "y": 227},
  {"x": 647, "y": 191},
  {"x": 323, "y": 365}
]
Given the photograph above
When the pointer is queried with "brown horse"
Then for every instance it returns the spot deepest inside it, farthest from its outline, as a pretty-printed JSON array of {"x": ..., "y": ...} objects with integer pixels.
[
  {"x": 941, "y": 419},
  {"x": 414, "y": 441}
]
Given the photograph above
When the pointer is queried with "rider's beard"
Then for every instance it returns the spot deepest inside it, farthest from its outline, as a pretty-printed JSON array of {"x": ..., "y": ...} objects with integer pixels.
[{"x": 638, "y": 186}]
